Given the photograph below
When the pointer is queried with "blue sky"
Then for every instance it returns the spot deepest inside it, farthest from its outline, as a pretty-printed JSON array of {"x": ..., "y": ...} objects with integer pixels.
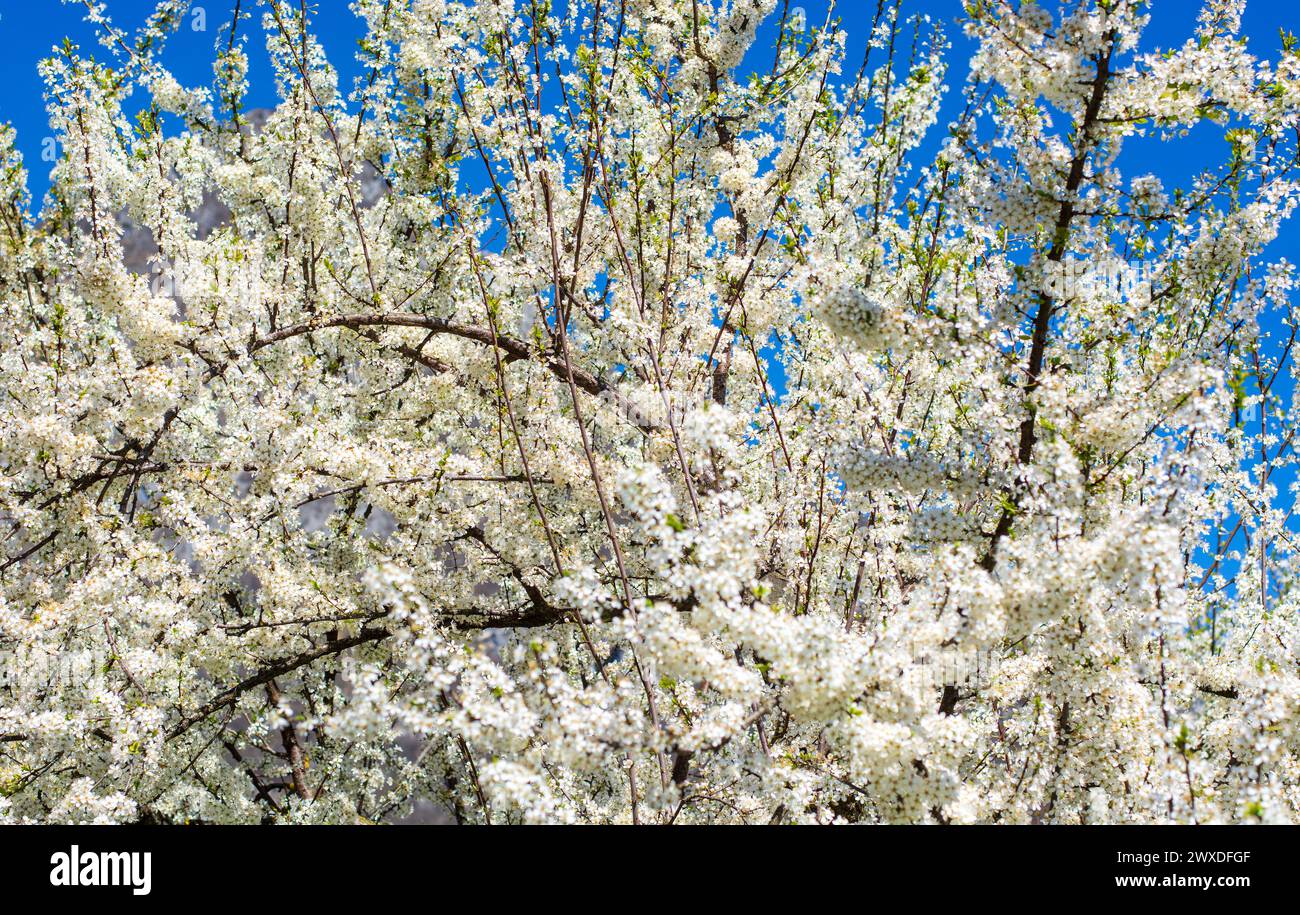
[{"x": 30, "y": 28}]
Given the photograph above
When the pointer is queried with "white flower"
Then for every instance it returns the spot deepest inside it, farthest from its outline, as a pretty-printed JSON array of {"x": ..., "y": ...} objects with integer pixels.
[
  {"x": 852, "y": 313},
  {"x": 436, "y": 443}
]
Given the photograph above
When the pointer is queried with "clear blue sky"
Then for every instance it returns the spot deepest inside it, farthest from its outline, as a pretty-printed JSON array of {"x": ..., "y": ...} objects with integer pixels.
[{"x": 30, "y": 28}]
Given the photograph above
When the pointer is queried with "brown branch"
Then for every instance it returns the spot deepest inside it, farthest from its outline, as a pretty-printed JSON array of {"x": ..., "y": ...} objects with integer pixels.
[
  {"x": 1229, "y": 693},
  {"x": 230, "y": 696},
  {"x": 30, "y": 550},
  {"x": 1047, "y": 305},
  {"x": 512, "y": 348}
]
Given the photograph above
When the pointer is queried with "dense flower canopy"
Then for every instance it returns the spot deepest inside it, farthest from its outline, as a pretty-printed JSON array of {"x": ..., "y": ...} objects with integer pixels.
[{"x": 598, "y": 415}]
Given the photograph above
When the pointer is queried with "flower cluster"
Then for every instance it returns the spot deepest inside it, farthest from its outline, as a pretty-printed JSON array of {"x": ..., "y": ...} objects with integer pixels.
[
  {"x": 600, "y": 418},
  {"x": 867, "y": 469},
  {"x": 850, "y": 312}
]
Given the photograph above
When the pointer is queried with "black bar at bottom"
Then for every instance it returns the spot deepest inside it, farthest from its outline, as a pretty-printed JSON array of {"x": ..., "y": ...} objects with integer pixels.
[{"x": 237, "y": 865}]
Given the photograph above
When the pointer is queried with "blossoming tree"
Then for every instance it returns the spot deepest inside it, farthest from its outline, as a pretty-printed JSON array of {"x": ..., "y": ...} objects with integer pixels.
[{"x": 597, "y": 414}]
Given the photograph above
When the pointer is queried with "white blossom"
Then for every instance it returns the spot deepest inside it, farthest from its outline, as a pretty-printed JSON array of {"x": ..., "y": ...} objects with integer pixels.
[{"x": 626, "y": 417}]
